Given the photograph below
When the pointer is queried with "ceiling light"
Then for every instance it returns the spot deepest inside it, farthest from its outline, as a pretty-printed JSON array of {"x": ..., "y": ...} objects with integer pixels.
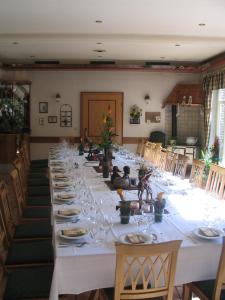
[
  {"x": 15, "y": 43},
  {"x": 98, "y": 21},
  {"x": 99, "y": 50},
  {"x": 99, "y": 43},
  {"x": 99, "y": 56},
  {"x": 162, "y": 57},
  {"x": 201, "y": 24},
  {"x": 32, "y": 56},
  {"x": 177, "y": 45}
]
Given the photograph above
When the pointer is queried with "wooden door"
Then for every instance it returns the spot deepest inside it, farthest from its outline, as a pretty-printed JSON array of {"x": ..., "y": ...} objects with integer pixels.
[{"x": 93, "y": 106}]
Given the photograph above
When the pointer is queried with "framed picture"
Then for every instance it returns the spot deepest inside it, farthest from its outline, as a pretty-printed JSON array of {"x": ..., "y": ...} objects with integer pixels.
[
  {"x": 52, "y": 119},
  {"x": 41, "y": 121},
  {"x": 43, "y": 107}
]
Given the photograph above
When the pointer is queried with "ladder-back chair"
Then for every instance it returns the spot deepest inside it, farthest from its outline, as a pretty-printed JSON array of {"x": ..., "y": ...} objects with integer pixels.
[
  {"x": 197, "y": 171},
  {"x": 181, "y": 166},
  {"x": 171, "y": 159},
  {"x": 216, "y": 181}
]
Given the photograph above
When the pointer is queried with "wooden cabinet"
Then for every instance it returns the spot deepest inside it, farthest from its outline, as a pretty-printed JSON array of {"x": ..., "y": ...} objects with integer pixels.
[{"x": 185, "y": 94}]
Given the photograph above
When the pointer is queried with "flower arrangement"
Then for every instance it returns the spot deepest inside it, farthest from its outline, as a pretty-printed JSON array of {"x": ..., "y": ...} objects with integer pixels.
[
  {"x": 135, "y": 112},
  {"x": 108, "y": 130}
]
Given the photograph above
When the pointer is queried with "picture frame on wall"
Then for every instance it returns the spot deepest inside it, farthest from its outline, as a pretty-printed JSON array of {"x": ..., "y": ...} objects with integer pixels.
[
  {"x": 41, "y": 121},
  {"x": 43, "y": 107},
  {"x": 52, "y": 119}
]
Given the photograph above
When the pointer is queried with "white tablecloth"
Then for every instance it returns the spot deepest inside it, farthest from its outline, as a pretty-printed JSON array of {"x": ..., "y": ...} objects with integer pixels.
[{"x": 93, "y": 266}]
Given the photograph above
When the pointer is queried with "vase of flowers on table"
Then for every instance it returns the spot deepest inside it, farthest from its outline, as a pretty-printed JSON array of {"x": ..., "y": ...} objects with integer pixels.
[{"x": 106, "y": 144}]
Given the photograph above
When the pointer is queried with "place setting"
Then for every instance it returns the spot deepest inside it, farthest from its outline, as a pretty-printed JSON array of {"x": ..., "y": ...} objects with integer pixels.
[
  {"x": 67, "y": 215},
  {"x": 73, "y": 236},
  {"x": 62, "y": 198}
]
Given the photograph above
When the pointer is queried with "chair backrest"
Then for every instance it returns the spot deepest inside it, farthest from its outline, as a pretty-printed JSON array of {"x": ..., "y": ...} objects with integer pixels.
[
  {"x": 148, "y": 151},
  {"x": 170, "y": 161},
  {"x": 216, "y": 181},
  {"x": 220, "y": 278},
  {"x": 181, "y": 166},
  {"x": 6, "y": 211},
  {"x": 140, "y": 147},
  {"x": 197, "y": 171},
  {"x": 24, "y": 152},
  {"x": 162, "y": 159},
  {"x": 145, "y": 271}
]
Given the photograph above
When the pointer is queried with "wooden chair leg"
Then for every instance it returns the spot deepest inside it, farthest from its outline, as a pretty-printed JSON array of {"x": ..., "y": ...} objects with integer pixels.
[{"x": 187, "y": 294}]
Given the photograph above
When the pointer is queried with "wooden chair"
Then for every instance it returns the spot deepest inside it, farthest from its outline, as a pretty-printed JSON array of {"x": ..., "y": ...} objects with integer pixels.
[
  {"x": 35, "y": 212},
  {"x": 197, "y": 171},
  {"x": 156, "y": 154},
  {"x": 23, "y": 231},
  {"x": 145, "y": 271},
  {"x": 148, "y": 151},
  {"x": 209, "y": 289},
  {"x": 216, "y": 181},
  {"x": 162, "y": 159},
  {"x": 140, "y": 147},
  {"x": 181, "y": 166},
  {"x": 171, "y": 159}
]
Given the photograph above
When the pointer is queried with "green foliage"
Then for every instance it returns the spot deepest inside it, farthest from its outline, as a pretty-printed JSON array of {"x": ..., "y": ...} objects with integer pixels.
[
  {"x": 11, "y": 115},
  {"x": 108, "y": 130}
]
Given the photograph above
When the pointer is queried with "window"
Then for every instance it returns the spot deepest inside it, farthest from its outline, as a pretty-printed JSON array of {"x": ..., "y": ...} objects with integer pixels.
[{"x": 218, "y": 121}]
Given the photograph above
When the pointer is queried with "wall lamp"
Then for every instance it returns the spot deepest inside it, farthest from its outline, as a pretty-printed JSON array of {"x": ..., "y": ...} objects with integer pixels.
[
  {"x": 58, "y": 97},
  {"x": 147, "y": 99}
]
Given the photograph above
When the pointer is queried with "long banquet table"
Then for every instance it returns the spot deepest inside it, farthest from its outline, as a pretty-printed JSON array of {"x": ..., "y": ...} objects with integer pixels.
[{"x": 80, "y": 269}]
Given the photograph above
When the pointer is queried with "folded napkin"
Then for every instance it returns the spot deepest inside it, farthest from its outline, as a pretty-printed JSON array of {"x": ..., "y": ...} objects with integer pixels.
[
  {"x": 60, "y": 176},
  {"x": 135, "y": 238},
  {"x": 61, "y": 185},
  {"x": 74, "y": 232},
  {"x": 58, "y": 170},
  {"x": 208, "y": 232},
  {"x": 65, "y": 196},
  {"x": 69, "y": 212}
]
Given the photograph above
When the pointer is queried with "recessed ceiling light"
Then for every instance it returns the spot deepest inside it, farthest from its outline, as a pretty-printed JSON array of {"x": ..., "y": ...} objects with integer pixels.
[
  {"x": 162, "y": 57},
  {"x": 15, "y": 43},
  {"x": 32, "y": 56},
  {"x": 98, "y": 21},
  {"x": 99, "y": 43},
  {"x": 99, "y": 56},
  {"x": 99, "y": 50},
  {"x": 177, "y": 45},
  {"x": 201, "y": 24}
]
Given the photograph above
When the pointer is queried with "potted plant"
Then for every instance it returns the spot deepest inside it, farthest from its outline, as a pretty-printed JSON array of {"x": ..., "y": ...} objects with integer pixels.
[{"x": 135, "y": 114}]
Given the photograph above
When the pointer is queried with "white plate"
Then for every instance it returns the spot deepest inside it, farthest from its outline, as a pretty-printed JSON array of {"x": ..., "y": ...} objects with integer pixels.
[
  {"x": 198, "y": 234},
  {"x": 67, "y": 217},
  {"x": 61, "y": 235},
  {"x": 148, "y": 238}
]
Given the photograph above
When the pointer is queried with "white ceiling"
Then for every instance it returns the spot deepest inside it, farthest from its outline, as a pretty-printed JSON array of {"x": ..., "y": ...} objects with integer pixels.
[{"x": 132, "y": 30}]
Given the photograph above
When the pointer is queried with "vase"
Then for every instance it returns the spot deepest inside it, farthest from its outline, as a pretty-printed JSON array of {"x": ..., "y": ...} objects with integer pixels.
[
  {"x": 105, "y": 164},
  {"x": 158, "y": 215},
  {"x": 125, "y": 213}
]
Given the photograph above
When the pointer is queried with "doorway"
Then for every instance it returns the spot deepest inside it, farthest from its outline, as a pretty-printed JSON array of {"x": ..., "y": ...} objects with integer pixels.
[{"x": 93, "y": 106}]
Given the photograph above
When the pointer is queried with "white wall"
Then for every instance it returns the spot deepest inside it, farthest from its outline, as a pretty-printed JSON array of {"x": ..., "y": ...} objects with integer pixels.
[{"x": 134, "y": 85}]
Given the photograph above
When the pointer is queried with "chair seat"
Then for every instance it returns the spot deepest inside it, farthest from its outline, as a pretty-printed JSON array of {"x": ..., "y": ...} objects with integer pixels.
[
  {"x": 37, "y": 212},
  {"x": 37, "y": 175},
  {"x": 38, "y": 191},
  {"x": 39, "y": 162},
  {"x": 33, "y": 230},
  {"x": 40, "y": 201},
  {"x": 207, "y": 287},
  {"x": 30, "y": 253},
  {"x": 28, "y": 283}
]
